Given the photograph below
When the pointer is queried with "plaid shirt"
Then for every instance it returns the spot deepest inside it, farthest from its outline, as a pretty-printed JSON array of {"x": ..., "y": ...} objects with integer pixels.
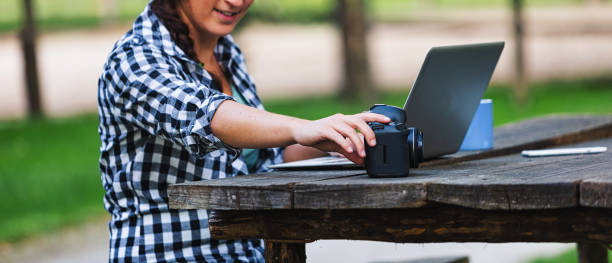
[{"x": 155, "y": 106}]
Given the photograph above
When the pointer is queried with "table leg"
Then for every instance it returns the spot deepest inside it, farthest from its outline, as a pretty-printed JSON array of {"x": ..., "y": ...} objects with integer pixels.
[
  {"x": 280, "y": 252},
  {"x": 592, "y": 253}
]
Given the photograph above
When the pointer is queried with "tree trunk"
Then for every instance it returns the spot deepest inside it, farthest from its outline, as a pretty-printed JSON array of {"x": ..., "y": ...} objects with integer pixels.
[
  {"x": 28, "y": 43},
  {"x": 357, "y": 84},
  {"x": 519, "y": 51}
]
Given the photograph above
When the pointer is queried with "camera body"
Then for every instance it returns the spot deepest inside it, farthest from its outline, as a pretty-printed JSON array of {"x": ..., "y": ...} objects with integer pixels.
[{"x": 398, "y": 147}]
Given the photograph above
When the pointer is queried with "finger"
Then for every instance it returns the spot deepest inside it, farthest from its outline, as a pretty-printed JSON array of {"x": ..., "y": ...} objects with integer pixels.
[
  {"x": 353, "y": 157},
  {"x": 369, "y": 117},
  {"x": 350, "y": 133},
  {"x": 337, "y": 150},
  {"x": 328, "y": 146},
  {"x": 361, "y": 136},
  {"x": 337, "y": 138},
  {"x": 364, "y": 130}
]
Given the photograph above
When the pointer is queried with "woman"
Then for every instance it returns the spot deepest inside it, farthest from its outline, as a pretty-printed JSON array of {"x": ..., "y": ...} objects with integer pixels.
[{"x": 176, "y": 104}]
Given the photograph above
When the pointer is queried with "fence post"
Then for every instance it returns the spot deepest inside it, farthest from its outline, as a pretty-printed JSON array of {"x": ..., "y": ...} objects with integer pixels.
[
  {"x": 519, "y": 51},
  {"x": 28, "y": 43}
]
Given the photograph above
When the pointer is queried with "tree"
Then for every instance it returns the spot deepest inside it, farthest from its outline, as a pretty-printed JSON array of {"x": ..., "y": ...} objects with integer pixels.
[
  {"x": 28, "y": 43},
  {"x": 519, "y": 51},
  {"x": 357, "y": 83}
]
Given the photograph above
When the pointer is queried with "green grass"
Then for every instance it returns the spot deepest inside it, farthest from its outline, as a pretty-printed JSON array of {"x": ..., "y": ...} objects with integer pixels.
[
  {"x": 60, "y": 14},
  {"x": 49, "y": 174},
  {"x": 293, "y": 11},
  {"x": 404, "y": 11},
  {"x": 570, "y": 256}
]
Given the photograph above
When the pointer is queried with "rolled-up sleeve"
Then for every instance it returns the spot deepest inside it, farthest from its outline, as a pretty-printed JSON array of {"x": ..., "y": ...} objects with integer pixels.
[{"x": 148, "y": 90}]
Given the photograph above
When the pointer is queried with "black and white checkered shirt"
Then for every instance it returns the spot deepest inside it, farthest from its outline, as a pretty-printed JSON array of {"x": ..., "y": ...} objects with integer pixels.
[{"x": 155, "y": 106}]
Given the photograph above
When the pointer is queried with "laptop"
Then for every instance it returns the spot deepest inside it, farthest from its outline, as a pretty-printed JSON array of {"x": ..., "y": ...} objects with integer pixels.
[{"x": 441, "y": 103}]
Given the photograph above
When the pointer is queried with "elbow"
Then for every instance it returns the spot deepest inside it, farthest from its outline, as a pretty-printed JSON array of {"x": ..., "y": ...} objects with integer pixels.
[{"x": 220, "y": 124}]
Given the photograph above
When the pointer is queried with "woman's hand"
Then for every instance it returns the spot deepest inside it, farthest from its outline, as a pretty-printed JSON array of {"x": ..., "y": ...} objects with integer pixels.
[{"x": 338, "y": 133}]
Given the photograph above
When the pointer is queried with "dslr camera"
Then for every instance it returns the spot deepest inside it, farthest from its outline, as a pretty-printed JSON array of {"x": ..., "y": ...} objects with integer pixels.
[{"x": 398, "y": 147}]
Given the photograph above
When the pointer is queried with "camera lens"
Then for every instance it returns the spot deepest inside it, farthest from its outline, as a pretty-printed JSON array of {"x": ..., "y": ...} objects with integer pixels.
[{"x": 415, "y": 141}]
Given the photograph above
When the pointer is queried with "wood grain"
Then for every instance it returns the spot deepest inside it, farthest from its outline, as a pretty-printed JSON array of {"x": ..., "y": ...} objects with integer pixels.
[
  {"x": 359, "y": 192},
  {"x": 523, "y": 183},
  {"x": 537, "y": 133},
  {"x": 597, "y": 192},
  {"x": 269, "y": 191},
  {"x": 421, "y": 225},
  {"x": 510, "y": 182}
]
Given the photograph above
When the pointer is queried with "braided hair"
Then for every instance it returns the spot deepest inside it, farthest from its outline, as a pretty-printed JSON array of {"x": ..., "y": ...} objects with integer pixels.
[{"x": 166, "y": 11}]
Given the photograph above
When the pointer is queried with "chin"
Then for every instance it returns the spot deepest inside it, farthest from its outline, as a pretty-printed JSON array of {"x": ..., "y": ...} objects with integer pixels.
[{"x": 221, "y": 30}]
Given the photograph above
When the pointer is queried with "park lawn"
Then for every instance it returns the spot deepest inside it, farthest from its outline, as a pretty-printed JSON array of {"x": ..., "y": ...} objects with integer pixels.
[{"x": 49, "y": 174}]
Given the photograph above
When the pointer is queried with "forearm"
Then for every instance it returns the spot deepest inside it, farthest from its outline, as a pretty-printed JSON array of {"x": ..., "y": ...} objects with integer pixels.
[{"x": 246, "y": 127}]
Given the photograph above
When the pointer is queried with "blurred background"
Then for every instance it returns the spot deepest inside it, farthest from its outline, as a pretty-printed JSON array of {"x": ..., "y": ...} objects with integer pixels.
[{"x": 309, "y": 59}]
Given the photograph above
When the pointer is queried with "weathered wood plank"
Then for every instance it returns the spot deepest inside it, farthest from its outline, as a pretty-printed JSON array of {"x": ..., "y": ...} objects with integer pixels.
[
  {"x": 360, "y": 192},
  {"x": 227, "y": 197},
  {"x": 597, "y": 192},
  {"x": 537, "y": 133},
  {"x": 364, "y": 192},
  {"x": 552, "y": 126},
  {"x": 269, "y": 191},
  {"x": 418, "y": 225},
  {"x": 541, "y": 183},
  {"x": 510, "y": 182}
]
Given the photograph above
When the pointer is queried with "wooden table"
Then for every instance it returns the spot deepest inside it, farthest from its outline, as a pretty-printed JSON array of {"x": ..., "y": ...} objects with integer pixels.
[{"x": 492, "y": 196}]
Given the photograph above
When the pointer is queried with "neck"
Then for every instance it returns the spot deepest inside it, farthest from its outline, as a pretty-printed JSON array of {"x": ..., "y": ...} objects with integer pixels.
[{"x": 204, "y": 47}]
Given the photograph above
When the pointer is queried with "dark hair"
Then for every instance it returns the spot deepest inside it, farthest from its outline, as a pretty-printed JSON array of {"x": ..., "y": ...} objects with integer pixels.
[{"x": 166, "y": 11}]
